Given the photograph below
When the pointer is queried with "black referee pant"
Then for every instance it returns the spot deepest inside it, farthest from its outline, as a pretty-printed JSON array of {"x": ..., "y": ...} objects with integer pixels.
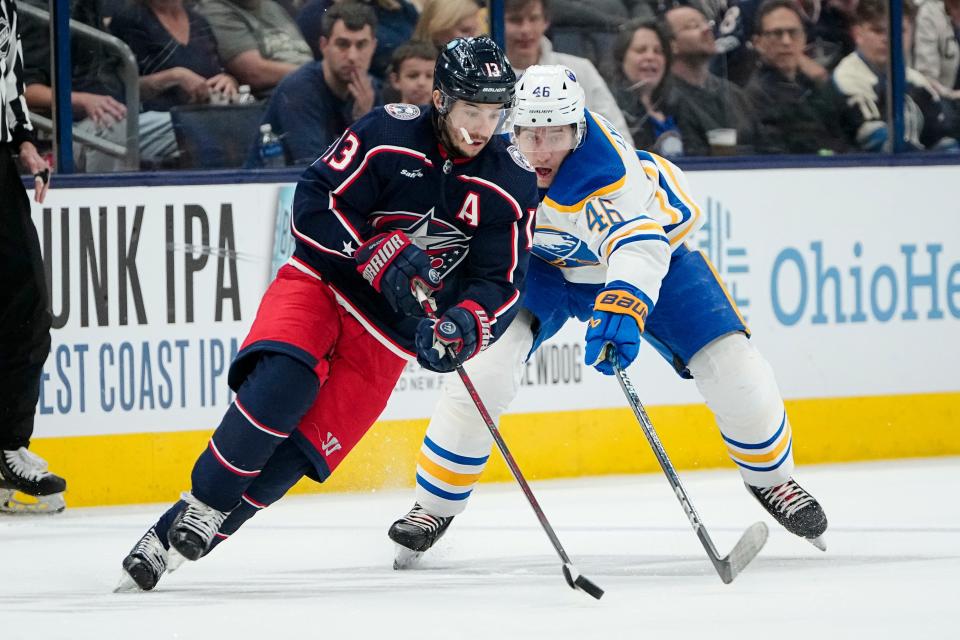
[{"x": 24, "y": 309}]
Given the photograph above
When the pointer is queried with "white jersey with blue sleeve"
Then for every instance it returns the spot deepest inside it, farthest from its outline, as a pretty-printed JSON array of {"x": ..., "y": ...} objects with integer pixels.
[{"x": 614, "y": 213}]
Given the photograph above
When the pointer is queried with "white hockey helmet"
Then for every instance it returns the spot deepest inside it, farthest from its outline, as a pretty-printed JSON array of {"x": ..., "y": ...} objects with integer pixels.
[{"x": 548, "y": 96}]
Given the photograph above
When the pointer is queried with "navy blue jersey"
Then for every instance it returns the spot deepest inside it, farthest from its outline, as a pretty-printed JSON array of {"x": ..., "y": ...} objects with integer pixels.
[{"x": 387, "y": 171}]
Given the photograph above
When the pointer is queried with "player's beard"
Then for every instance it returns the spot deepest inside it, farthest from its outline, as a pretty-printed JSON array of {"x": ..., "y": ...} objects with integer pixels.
[
  {"x": 451, "y": 140},
  {"x": 249, "y": 5}
]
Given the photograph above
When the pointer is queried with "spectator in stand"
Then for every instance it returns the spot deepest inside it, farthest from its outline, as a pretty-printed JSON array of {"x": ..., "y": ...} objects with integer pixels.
[
  {"x": 443, "y": 20},
  {"x": 861, "y": 79},
  {"x": 588, "y": 29},
  {"x": 313, "y": 105},
  {"x": 936, "y": 49},
  {"x": 257, "y": 40},
  {"x": 795, "y": 113},
  {"x": 737, "y": 58},
  {"x": 395, "y": 22},
  {"x": 176, "y": 53},
  {"x": 829, "y": 34},
  {"x": 527, "y": 22},
  {"x": 639, "y": 83},
  {"x": 700, "y": 101},
  {"x": 97, "y": 94},
  {"x": 411, "y": 72}
]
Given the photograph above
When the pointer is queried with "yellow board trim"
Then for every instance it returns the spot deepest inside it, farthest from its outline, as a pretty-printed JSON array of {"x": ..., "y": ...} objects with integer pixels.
[
  {"x": 446, "y": 475},
  {"x": 155, "y": 467}
]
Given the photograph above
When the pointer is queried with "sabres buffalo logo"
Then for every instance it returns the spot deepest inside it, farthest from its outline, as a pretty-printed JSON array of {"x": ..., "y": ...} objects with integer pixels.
[
  {"x": 446, "y": 245},
  {"x": 562, "y": 249}
]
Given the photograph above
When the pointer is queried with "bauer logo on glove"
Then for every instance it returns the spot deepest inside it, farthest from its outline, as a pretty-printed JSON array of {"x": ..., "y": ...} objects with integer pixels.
[
  {"x": 619, "y": 315},
  {"x": 622, "y": 302}
]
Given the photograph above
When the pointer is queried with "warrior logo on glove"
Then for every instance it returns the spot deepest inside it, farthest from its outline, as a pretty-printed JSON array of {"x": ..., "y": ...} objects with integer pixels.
[
  {"x": 383, "y": 248},
  {"x": 395, "y": 267}
]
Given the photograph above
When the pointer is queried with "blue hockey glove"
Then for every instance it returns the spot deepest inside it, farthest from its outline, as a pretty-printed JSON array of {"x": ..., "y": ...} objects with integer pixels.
[
  {"x": 394, "y": 266},
  {"x": 619, "y": 314},
  {"x": 465, "y": 329}
]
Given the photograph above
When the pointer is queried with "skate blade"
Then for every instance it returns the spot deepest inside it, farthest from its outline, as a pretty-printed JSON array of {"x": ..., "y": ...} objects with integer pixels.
[
  {"x": 126, "y": 584},
  {"x": 175, "y": 560},
  {"x": 42, "y": 505},
  {"x": 406, "y": 558},
  {"x": 818, "y": 542}
]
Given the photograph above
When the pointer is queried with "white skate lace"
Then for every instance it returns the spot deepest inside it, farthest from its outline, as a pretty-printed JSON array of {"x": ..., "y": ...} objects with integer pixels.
[
  {"x": 151, "y": 550},
  {"x": 788, "y": 498},
  {"x": 203, "y": 520},
  {"x": 420, "y": 518},
  {"x": 26, "y": 464}
]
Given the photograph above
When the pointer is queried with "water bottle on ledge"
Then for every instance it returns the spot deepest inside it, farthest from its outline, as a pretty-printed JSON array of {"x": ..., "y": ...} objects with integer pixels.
[
  {"x": 271, "y": 148},
  {"x": 243, "y": 95}
]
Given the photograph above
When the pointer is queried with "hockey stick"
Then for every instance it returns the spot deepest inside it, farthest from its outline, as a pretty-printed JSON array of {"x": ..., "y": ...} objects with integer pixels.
[
  {"x": 570, "y": 573},
  {"x": 753, "y": 538}
]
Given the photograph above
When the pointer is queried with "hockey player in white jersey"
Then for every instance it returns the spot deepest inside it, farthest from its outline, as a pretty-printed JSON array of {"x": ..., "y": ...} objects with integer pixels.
[{"x": 610, "y": 232}]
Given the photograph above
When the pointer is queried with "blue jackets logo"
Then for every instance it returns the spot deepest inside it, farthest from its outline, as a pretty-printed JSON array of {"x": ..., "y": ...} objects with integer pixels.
[{"x": 402, "y": 111}]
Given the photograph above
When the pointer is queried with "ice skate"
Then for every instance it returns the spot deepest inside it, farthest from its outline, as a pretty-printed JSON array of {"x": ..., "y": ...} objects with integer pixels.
[
  {"x": 144, "y": 565},
  {"x": 414, "y": 533},
  {"x": 23, "y": 471},
  {"x": 795, "y": 509},
  {"x": 194, "y": 527}
]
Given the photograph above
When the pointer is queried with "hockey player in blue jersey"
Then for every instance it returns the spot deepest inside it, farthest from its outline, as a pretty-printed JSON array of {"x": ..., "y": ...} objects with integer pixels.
[
  {"x": 609, "y": 250},
  {"x": 406, "y": 198}
]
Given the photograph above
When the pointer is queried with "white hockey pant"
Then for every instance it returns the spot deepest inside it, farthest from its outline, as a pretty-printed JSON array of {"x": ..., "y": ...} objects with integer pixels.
[
  {"x": 734, "y": 379},
  {"x": 738, "y": 385},
  {"x": 457, "y": 445}
]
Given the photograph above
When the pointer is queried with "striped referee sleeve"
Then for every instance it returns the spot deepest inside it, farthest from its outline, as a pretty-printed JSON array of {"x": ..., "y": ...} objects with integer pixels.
[{"x": 15, "y": 127}]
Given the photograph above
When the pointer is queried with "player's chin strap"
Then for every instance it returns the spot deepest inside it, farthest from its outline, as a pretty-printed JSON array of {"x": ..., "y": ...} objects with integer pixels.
[
  {"x": 570, "y": 573},
  {"x": 750, "y": 542}
]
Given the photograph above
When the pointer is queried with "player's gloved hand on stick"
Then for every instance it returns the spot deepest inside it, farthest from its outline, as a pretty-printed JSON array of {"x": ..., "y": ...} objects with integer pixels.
[
  {"x": 394, "y": 266},
  {"x": 619, "y": 314},
  {"x": 465, "y": 329}
]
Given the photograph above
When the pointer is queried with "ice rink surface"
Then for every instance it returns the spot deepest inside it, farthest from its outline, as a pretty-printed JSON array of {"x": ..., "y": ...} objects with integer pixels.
[{"x": 320, "y": 566}]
